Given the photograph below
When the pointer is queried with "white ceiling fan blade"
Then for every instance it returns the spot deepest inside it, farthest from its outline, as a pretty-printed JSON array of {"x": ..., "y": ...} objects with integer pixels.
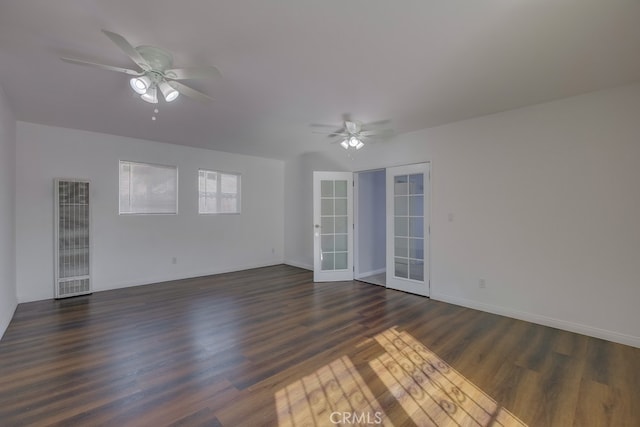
[
  {"x": 377, "y": 123},
  {"x": 319, "y": 125},
  {"x": 378, "y": 136},
  {"x": 332, "y": 134},
  {"x": 376, "y": 132},
  {"x": 128, "y": 49},
  {"x": 335, "y": 132},
  {"x": 192, "y": 73},
  {"x": 103, "y": 66},
  {"x": 187, "y": 91},
  {"x": 368, "y": 133}
]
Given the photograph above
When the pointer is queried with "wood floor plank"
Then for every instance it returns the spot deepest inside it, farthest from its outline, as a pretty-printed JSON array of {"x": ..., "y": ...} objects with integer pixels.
[{"x": 267, "y": 346}]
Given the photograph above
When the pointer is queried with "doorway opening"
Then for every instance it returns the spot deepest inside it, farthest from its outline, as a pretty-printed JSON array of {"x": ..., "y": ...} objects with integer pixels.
[
  {"x": 370, "y": 227},
  {"x": 371, "y": 223}
]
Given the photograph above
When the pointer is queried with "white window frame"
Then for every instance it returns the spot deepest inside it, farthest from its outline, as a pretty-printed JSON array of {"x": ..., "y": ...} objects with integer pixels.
[
  {"x": 130, "y": 162},
  {"x": 238, "y": 193}
]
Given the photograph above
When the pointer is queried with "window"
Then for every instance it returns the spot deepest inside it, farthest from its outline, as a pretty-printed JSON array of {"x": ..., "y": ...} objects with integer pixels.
[
  {"x": 148, "y": 189},
  {"x": 218, "y": 192}
]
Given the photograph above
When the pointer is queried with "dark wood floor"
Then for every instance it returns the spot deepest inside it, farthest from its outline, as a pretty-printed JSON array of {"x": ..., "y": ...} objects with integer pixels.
[{"x": 270, "y": 347}]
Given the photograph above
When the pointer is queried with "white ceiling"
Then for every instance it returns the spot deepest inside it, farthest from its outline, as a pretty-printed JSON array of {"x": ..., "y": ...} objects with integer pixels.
[{"x": 289, "y": 63}]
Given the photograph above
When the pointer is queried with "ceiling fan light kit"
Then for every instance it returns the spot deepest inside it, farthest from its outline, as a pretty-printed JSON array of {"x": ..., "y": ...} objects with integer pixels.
[
  {"x": 146, "y": 86},
  {"x": 168, "y": 92},
  {"x": 352, "y": 142},
  {"x": 140, "y": 85},
  {"x": 151, "y": 95}
]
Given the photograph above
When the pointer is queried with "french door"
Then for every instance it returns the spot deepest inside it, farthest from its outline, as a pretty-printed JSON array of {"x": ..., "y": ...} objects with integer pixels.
[
  {"x": 408, "y": 228},
  {"x": 333, "y": 226}
]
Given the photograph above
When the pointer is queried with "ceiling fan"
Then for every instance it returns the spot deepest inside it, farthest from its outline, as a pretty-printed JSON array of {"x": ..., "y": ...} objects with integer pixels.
[
  {"x": 354, "y": 132},
  {"x": 156, "y": 72}
]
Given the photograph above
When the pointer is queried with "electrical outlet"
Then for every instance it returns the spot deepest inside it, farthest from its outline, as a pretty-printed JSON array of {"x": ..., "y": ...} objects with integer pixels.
[
  {"x": 174, "y": 260},
  {"x": 482, "y": 284}
]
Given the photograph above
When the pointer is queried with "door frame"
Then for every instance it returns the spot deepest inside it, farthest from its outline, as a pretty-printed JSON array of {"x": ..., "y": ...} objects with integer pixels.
[
  {"x": 357, "y": 274},
  {"x": 356, "y": 231}
]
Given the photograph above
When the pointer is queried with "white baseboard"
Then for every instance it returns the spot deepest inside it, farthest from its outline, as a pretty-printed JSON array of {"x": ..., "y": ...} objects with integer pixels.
[
  {"x": 152, "y": 280},
  {"x": 165, "y": 278},
  {"x": 579, "y": 328},
  {"x": 298, "y": 264},
  {"x": 371, "y": 273},
  {"x": 6, "y": 319}
]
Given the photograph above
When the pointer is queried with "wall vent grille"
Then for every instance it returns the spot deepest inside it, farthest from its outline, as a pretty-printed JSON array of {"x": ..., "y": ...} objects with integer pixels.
[{"x": 72, "y": 238}]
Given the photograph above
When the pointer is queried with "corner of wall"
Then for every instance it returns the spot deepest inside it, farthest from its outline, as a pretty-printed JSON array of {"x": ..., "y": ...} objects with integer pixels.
[
  {"x": 298, "y": 264},
  {"x": 8, "y": 290},
  {"x": 5, "y": 319}
]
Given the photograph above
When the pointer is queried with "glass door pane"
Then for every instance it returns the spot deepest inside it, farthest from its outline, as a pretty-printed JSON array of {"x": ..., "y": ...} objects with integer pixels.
[
  {"x": 334, "y": 225},
  {"x": 408, "y": 228}
]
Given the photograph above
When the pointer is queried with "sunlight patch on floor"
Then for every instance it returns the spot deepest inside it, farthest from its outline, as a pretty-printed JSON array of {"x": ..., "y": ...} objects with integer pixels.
[
  {"x": 330, "y": 396},
  {"x": 429, "y": 391}
]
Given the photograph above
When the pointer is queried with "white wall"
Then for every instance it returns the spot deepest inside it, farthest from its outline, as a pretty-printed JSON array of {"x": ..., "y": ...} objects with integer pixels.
[
  {"x": 133, "y": 250},
  {"x": 545, "y": 206},
  {"x": 372, "y": 222},
  {"x": 7, "y": 213},
  {"x": 298, "y": 202}
]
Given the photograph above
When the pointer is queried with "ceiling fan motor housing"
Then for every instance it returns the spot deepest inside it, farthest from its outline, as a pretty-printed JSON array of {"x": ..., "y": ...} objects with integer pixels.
[{"x": 158, "y": 59}]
